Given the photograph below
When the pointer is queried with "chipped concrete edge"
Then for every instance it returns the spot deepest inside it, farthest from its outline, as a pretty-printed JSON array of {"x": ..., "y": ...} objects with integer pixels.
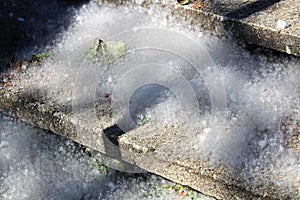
[
  {"x": 59, "y": 120},
  {"x": 51, "y": 117}
]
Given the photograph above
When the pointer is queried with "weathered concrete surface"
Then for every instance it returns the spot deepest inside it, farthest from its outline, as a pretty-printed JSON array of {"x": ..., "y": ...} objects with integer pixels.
[
  {"x": 254, "y": 22},
  {"x": 161, "y": 150},
  {"x": 148, "y": 146},
  {"x": 250, "y": 21},
  {"x": 149, "y": 153},
  {"x": 34, "y": 104}
]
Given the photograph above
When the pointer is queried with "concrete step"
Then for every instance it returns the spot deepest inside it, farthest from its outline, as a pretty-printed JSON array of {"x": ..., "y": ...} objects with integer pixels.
[
  {"x": 168, "y": 151},
  {"x": 272, "y": 24},
  {"x": 36, "y": 98}
]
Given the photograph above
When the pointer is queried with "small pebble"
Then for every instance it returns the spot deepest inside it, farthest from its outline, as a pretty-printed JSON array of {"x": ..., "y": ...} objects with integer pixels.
[
  {"x": 281, "y": 24},
  {"x": 24, "y": 67}
]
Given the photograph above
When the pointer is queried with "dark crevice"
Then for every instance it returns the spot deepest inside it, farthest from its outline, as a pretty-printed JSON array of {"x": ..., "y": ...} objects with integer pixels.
[
  {"x": 111, "y": 141},
  {"x": 112, "y": 133}
]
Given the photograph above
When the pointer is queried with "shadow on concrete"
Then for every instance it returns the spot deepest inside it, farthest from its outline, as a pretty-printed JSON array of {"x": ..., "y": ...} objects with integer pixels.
[
  {"x": 251, "y": 8},
  {"x": 244, "y": 34},
  {"x": 29, "y": 26}
]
